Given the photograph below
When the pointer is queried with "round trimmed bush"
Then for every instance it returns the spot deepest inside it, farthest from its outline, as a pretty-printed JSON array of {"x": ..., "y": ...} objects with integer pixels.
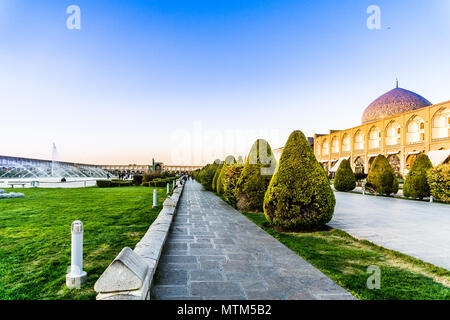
[
  {"x": 255, "y": 177},
  {"x": 416, "y": 184},
  {"x": 382, "y": 178},
  {"x": 345, "y": 178},
  {"x": 299, "y": 195},
  {"x": 439, "y": 181},
  {"x": 230, "y": 180},
  {"x": 220, "y": 179}
]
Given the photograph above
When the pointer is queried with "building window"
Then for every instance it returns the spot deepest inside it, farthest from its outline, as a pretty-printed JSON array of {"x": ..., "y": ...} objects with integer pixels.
[
  {"x": 393, "y": 134},
  {"x": 359, "y": 141},
  {"x": 374, "y": 138},
  {"x": 441, "y": 124},
  {"x": 346, "y": 143},
  {"x": 415, "y": 130},
  {"x": 335, "y": 145}
]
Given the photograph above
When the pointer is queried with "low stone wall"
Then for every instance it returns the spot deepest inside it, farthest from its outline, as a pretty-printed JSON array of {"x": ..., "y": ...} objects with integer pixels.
[{"x": 130, "y": 275}]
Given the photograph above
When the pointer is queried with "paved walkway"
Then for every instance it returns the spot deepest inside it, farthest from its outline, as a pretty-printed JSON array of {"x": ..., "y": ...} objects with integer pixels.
[
  {"x": 418, "y": 229},
  {"x": 214, "y": 252}
]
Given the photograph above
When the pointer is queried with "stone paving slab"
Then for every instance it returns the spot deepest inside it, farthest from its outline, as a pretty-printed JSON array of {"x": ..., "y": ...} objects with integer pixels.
[
  {"x": 417, "y": 228},
  {"x": 214, "y": 252}
]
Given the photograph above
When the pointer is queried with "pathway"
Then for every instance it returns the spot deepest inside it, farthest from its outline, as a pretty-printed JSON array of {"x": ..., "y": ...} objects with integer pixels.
[
  {"x": 214, "y": 252},
  {"x": 417, "y": 228}
]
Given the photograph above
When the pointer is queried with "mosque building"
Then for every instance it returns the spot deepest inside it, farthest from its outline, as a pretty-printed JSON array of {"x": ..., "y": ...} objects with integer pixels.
[{"x": 400, "y": 124}]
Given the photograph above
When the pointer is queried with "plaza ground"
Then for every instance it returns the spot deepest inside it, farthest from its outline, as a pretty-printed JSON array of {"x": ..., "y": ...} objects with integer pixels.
[
  {"x": 35, "y": 236},
  {"x": 417, "y": 228},
  {"x": 213, "y": 252}
]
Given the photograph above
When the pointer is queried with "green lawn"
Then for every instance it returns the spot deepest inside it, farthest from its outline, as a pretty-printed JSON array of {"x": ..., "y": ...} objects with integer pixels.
[
  {"x": 35, "y": 236},
  {"x": 345, "y": 260}
]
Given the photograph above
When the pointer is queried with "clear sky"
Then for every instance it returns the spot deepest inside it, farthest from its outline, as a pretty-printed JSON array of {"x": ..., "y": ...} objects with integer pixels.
[{"x": 190, "y": 81}]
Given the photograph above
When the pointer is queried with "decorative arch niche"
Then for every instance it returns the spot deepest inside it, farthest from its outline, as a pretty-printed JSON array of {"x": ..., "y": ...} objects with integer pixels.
[
  {"x": 440, "y": 128},
  {"x": 358, "y": 141},
  {"x": 415, "y": 130},
  {"x": 393, "y": 134},
  {"x": 374, "y": 138}
]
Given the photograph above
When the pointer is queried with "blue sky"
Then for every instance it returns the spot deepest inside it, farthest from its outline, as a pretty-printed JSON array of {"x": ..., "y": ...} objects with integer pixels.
[{"x": 190, "y": 81}]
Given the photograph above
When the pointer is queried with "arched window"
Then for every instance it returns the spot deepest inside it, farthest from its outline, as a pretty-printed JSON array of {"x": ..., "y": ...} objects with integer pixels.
[
  {"x": 374, "y": 138},
  {"x": 359, "y": 165},
  {"x": 415, "y": 130},
  {"x": 346, "y": 143},
  {"x": 335, "y": 145},
  {"x": 325, "y": 148},
  {"x": 441, "y": 124},
  {"x": 359, "y": 141},
  {"x": 393, "y": 134}
]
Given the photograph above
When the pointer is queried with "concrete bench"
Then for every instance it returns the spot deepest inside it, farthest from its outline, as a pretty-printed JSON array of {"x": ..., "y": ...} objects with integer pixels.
[{"x": 12, "y": 184}]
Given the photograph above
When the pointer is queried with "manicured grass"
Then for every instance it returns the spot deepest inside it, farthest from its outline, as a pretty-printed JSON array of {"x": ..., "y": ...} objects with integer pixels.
[
  {"x": 35, "y": 236},
  {"x": 345, "y": 259}
]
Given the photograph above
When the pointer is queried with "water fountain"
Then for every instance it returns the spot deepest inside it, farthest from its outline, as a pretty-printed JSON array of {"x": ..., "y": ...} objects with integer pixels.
[{"x": 48, "y": 171}]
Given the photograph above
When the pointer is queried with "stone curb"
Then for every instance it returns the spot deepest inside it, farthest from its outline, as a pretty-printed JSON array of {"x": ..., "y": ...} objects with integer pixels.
[{"x": 130, "y": 275}]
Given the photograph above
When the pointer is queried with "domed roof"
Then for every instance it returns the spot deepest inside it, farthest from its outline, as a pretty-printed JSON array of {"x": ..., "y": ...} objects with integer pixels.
[{"x": 396, "y": 101}]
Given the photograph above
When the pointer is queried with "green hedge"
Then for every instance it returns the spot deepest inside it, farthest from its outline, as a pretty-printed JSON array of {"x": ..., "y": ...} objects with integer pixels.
[
  {"x": 229, "y": 160},
  {"x": 216, "y": 176},
  {"x": 103, "y": 183},
  {"x": 345, "y": 178},
  {"x": 416, "y": 185},
  {"x": 230, "y": 180},
  {"x": 113, "y": 183},
  {"x": 299, "y": 195},
  {"x": 439, "y": 182},
  {"x": 158, "y": 182},
  {"x": 255, "y": 177},
  {"x": 382, "y": 178}
]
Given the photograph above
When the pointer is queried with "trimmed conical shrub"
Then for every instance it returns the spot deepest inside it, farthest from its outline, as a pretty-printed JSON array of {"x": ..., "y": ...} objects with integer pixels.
[
  {"x": 345, "y": 178},
  {"x": 220, "y": 179},
  {"x": 299, "y": 195},
  {"x": 382, "y": 178},
  {"x": 416, "y": 184},
  {"x": 206, "y": 174},
  {"x": 255, "y": 177},
  {"x": 439, "y": 182},
  {"x": 216, "y": 176},
  {"x": 231, "y": 178}
]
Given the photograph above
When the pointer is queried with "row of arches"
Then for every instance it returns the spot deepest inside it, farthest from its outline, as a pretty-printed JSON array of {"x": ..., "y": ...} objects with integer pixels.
[
  {"x": 359, "y": 165},
  {"x": 415, "y": 133}
]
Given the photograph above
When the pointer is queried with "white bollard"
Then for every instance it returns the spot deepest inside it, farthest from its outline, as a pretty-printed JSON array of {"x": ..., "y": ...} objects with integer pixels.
[
  {"x": 77, "y": 276},
  {"x": 168, "y": 188},
  {"x": 154, "y": 198},
  {"x": 431, "y": 199}
]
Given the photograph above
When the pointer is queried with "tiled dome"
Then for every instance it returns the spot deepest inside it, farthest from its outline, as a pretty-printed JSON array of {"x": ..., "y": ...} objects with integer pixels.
[{"x": 396, "y": 101}]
